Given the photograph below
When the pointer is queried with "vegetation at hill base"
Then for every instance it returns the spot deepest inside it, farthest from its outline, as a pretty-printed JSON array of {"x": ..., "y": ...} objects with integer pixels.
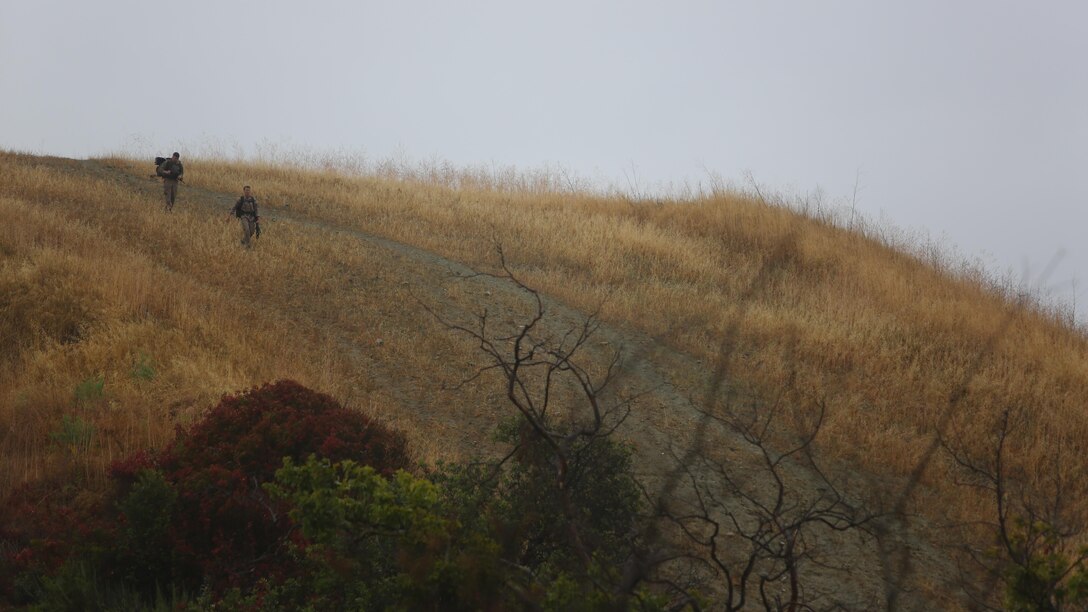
[{"x": 341, "y": 523}]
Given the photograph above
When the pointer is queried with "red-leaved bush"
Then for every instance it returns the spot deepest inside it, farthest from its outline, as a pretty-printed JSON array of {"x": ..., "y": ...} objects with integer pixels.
[
  {"x": 224, "y": 530},
  {"x": 39, "y": 524}
]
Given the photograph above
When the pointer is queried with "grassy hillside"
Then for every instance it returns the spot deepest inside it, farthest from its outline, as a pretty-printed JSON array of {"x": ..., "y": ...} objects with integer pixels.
[{"x": 120, "y": 321}]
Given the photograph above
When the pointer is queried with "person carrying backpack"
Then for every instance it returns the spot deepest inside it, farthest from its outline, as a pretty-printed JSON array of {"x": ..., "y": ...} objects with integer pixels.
[
  {"x": 170, "y": 170},
  {"x": 246, "y": 211}
]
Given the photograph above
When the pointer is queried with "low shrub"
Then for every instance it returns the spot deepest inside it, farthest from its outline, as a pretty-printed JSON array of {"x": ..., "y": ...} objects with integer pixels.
[
  {"x": 226, "y": 530},
  {"x": 281, "y": 499},
  {"x": 195, "y": 515}
]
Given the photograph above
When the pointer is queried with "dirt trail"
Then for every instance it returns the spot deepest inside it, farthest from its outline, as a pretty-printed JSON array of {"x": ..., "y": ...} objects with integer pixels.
[{"x": 664, "y": 424}]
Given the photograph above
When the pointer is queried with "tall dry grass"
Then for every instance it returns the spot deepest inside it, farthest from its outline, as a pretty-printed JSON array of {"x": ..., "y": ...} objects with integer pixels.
[
  {"x": 894, "y": 336},
  {"x": 892, "y": 343},
  {"x": 120, "y": 321}
]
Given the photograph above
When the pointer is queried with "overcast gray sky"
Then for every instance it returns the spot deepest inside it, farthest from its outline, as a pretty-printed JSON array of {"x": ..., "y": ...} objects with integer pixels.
[{"x": 967, "y": 120}]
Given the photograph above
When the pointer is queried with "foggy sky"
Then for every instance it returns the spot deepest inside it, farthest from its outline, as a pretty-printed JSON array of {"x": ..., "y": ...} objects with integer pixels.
[{"x": 965, "y": 120}]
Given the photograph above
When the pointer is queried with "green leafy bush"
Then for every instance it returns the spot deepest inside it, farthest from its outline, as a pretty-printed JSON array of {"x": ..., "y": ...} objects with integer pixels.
[
  {"x": 518, "y": 505},
  {"x": 370, "y": 542},
  {"x": 1043, "y": 576},
  {"x": 603, "y": 494}
]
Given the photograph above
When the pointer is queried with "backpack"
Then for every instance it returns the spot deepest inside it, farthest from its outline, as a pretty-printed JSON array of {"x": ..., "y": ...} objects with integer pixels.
[{"x": 238, "y": 212}]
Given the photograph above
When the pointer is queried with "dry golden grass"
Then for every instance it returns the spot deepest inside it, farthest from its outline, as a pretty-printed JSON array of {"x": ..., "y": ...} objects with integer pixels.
[
  {"x": 887, "y": 338},
  {"x": 99, "y": 283},
  {"x": 773, "y": 295}
]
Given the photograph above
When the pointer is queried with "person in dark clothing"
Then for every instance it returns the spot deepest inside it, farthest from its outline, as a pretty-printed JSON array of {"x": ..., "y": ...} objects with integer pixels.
[
  {"x": 171, "y": 171},
  {"x": 246, "y": 211}
]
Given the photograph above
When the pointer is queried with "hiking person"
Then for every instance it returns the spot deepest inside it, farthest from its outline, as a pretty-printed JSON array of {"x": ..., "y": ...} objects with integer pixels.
[
  {"x": 246, "y": 211},
  {"x": 170, "y": 171}
]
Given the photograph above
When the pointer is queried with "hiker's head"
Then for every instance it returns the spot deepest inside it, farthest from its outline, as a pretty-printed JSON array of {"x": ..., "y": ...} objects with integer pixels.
[
  {"x": 177, "y": 155},
  {"x": 245, "y": 190}
]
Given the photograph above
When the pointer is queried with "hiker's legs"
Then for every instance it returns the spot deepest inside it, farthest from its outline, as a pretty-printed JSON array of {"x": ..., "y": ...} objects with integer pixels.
[
  {"x": 170, "y": 192},
  {"x": 247, "y": 230}
]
